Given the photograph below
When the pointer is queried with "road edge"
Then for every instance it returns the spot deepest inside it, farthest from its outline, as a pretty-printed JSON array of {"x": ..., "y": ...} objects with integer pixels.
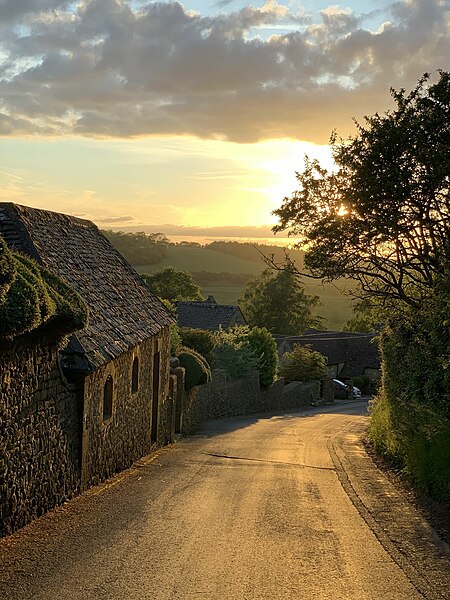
[{"x": 397, "y": 524}]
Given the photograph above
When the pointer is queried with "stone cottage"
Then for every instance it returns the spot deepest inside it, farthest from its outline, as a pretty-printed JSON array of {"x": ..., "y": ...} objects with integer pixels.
[
  {"x": 207, "y": 314},
  {"x": 115, "y": 370}
]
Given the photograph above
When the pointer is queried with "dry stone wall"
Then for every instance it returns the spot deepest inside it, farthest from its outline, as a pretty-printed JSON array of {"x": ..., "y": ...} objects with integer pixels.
[
  {"x": 39, "y": 439},
  {"x": 224, "y": 398}
]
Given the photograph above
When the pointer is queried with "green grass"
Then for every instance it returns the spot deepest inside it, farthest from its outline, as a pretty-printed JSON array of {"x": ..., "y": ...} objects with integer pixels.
[{"x": 201, "y": 259}]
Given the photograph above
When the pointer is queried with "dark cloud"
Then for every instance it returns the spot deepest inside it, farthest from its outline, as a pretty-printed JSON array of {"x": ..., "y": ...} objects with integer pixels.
[{"x": 104, "y": 69}]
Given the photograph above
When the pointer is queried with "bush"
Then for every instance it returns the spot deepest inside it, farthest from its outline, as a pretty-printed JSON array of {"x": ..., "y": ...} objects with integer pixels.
[
  {"x": 362, "y": 382},
  {"x": 197, "y": 369},
  {"x": 410, "y": 423},
  {"x": 200, "y": 340},
  {"x": 234, "y": 354},
  {"x": 303, "y": 364},
  {"x": 264, "y": 347}
]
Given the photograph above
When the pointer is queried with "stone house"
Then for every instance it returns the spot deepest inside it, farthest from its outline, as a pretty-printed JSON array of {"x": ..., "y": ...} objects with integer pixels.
[
  {"x": 207, "y": 314},
  {"x": 107, "y": 390}
]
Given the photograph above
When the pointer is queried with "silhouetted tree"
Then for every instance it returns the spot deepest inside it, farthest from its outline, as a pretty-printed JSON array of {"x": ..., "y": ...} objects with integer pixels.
[
  {"x": 277, "y": 301},
  {"x": 383, "y": 216}
]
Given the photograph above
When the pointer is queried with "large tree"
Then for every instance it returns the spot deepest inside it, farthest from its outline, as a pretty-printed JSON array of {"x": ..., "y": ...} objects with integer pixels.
[
  {"x": 277, "y": 301},
  {"x": 170, "y": 284},
  {"x": 382, "y": 217}
]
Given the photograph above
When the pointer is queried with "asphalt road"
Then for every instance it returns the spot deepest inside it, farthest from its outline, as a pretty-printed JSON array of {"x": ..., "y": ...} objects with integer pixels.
[{"x": 270, "y": 507}]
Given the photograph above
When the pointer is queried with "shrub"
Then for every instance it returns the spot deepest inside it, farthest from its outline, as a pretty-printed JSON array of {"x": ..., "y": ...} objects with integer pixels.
[
  {"x": 234, "y": 354},
  {"x": 303, "y": 364},
  {"x": 6, "y": 269},
  {"x": 362, "y": 382},
  {"x": 200, "y": 340},
  {"x": 197, "y": 369},
  {"x": 265, "y": 349}
]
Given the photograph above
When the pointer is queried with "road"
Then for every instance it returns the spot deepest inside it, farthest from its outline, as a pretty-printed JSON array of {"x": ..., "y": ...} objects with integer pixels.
[{"x": 261, "y": 507}]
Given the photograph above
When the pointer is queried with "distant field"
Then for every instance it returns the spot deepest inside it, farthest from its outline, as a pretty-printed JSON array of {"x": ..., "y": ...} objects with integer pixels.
[
  {"x": 336, "y": 307},
  {"x": 184, "y": 258}
]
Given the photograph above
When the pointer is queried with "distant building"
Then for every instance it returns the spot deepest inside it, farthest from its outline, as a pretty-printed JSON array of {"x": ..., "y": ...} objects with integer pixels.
[
  {"x": 207, "y": 314},
  {"x": 348, "y": 354}
]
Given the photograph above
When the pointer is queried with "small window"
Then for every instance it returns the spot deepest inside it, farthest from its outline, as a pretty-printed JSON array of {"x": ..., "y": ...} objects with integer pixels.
[
  {"x": 108, "y": 398},
  {"x": 135, "y": 376}
]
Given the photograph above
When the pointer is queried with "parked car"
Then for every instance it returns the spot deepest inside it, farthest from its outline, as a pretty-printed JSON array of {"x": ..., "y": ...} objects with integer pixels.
[{"x": 341, "y": 390}]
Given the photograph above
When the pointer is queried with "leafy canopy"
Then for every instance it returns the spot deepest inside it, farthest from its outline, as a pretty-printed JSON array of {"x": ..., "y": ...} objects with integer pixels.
[
  {"x": 170, "y": 284},
  {"x": 277, "y": 301},
  {"x": 383, "y": 216}
]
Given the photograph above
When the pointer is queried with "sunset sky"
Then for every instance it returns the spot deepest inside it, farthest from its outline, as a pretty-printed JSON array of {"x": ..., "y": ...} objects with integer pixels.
[{"x": 193, "y": 117}]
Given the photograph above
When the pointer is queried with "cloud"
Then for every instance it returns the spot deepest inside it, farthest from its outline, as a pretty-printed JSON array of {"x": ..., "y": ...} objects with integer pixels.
[
  {"x": 106, "y": 69},
  {"x": 125, "y": 219}
]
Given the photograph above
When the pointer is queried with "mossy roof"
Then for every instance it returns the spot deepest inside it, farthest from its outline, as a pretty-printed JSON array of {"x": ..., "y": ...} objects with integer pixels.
[
  {"x": 122, "y": 310},
  {"x": 31, "y": 297}
]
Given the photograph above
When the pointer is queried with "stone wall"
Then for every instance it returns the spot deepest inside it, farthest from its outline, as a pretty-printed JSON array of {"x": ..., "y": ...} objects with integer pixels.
[
  {"x": 39, "y": 433},
  {"x": 223, "y": 398},
  {"x": 112, "y": 444}
]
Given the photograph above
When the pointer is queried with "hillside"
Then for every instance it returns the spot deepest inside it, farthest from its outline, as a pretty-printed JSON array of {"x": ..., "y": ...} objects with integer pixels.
[{"x": 336, "y": 308}]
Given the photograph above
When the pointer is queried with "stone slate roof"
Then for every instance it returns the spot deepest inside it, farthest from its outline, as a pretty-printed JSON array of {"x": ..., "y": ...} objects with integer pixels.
[
  {"x": 356, "y": 351},
  {"x": 207, "y": 314},
  {"x": 122, "y": 310}
]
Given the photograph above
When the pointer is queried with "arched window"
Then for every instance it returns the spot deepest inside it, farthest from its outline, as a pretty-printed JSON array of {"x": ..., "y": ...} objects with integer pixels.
[
  {"x": 135, "y": 376},
  {"x": 108, "y": 398}
]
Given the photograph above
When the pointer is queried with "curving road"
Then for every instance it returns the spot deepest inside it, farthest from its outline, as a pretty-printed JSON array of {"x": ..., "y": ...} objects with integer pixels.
[{"x": 270, "y": 507}]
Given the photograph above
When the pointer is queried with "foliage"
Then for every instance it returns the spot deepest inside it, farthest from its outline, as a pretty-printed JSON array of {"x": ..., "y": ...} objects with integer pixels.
[
  {"x": 368, "y": 316},
  {"x": 173, "y": 285},
  {"x": 411, "y": 419},
  {"x": 139, "y": 248},
  {"x": 34, "y": 297},
  {"x": 6, "y": 270},
  {"x": 276, "y": 300},
  {"x": 264, "y": 347},
  {"x": 382, "y": 218},
  {"x": 197, "y": 369},
  {"x": 362, "y": 382},
  {"x": 200, "y": 340},
  {"x": 234, "y": 354},
  {"x": 175, "y": 339},
  {"x": 302, "y": 364}
]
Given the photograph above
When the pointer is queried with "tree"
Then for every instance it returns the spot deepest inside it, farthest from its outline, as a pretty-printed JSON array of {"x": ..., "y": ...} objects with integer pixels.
[
  {"x": 139, "y": 248},
  {"x": 383, "y": 216},
  {"x": 277, "y": 301},
  {"x": 264, "y": 346},
  {"x": 172, "y": 285}
]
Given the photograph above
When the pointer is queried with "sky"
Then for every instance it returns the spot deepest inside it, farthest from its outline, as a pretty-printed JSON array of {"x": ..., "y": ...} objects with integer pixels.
[{"x": 192, "y": 118}]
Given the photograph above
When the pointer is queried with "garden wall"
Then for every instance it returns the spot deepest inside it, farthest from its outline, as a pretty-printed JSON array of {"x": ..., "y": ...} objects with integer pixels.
[{"x": 223, "y": 398}]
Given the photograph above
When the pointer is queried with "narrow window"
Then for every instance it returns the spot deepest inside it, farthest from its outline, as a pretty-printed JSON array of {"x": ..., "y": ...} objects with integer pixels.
[
  {"x": 135, "y": 376},
  {"x": 108, "y": 398}
]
